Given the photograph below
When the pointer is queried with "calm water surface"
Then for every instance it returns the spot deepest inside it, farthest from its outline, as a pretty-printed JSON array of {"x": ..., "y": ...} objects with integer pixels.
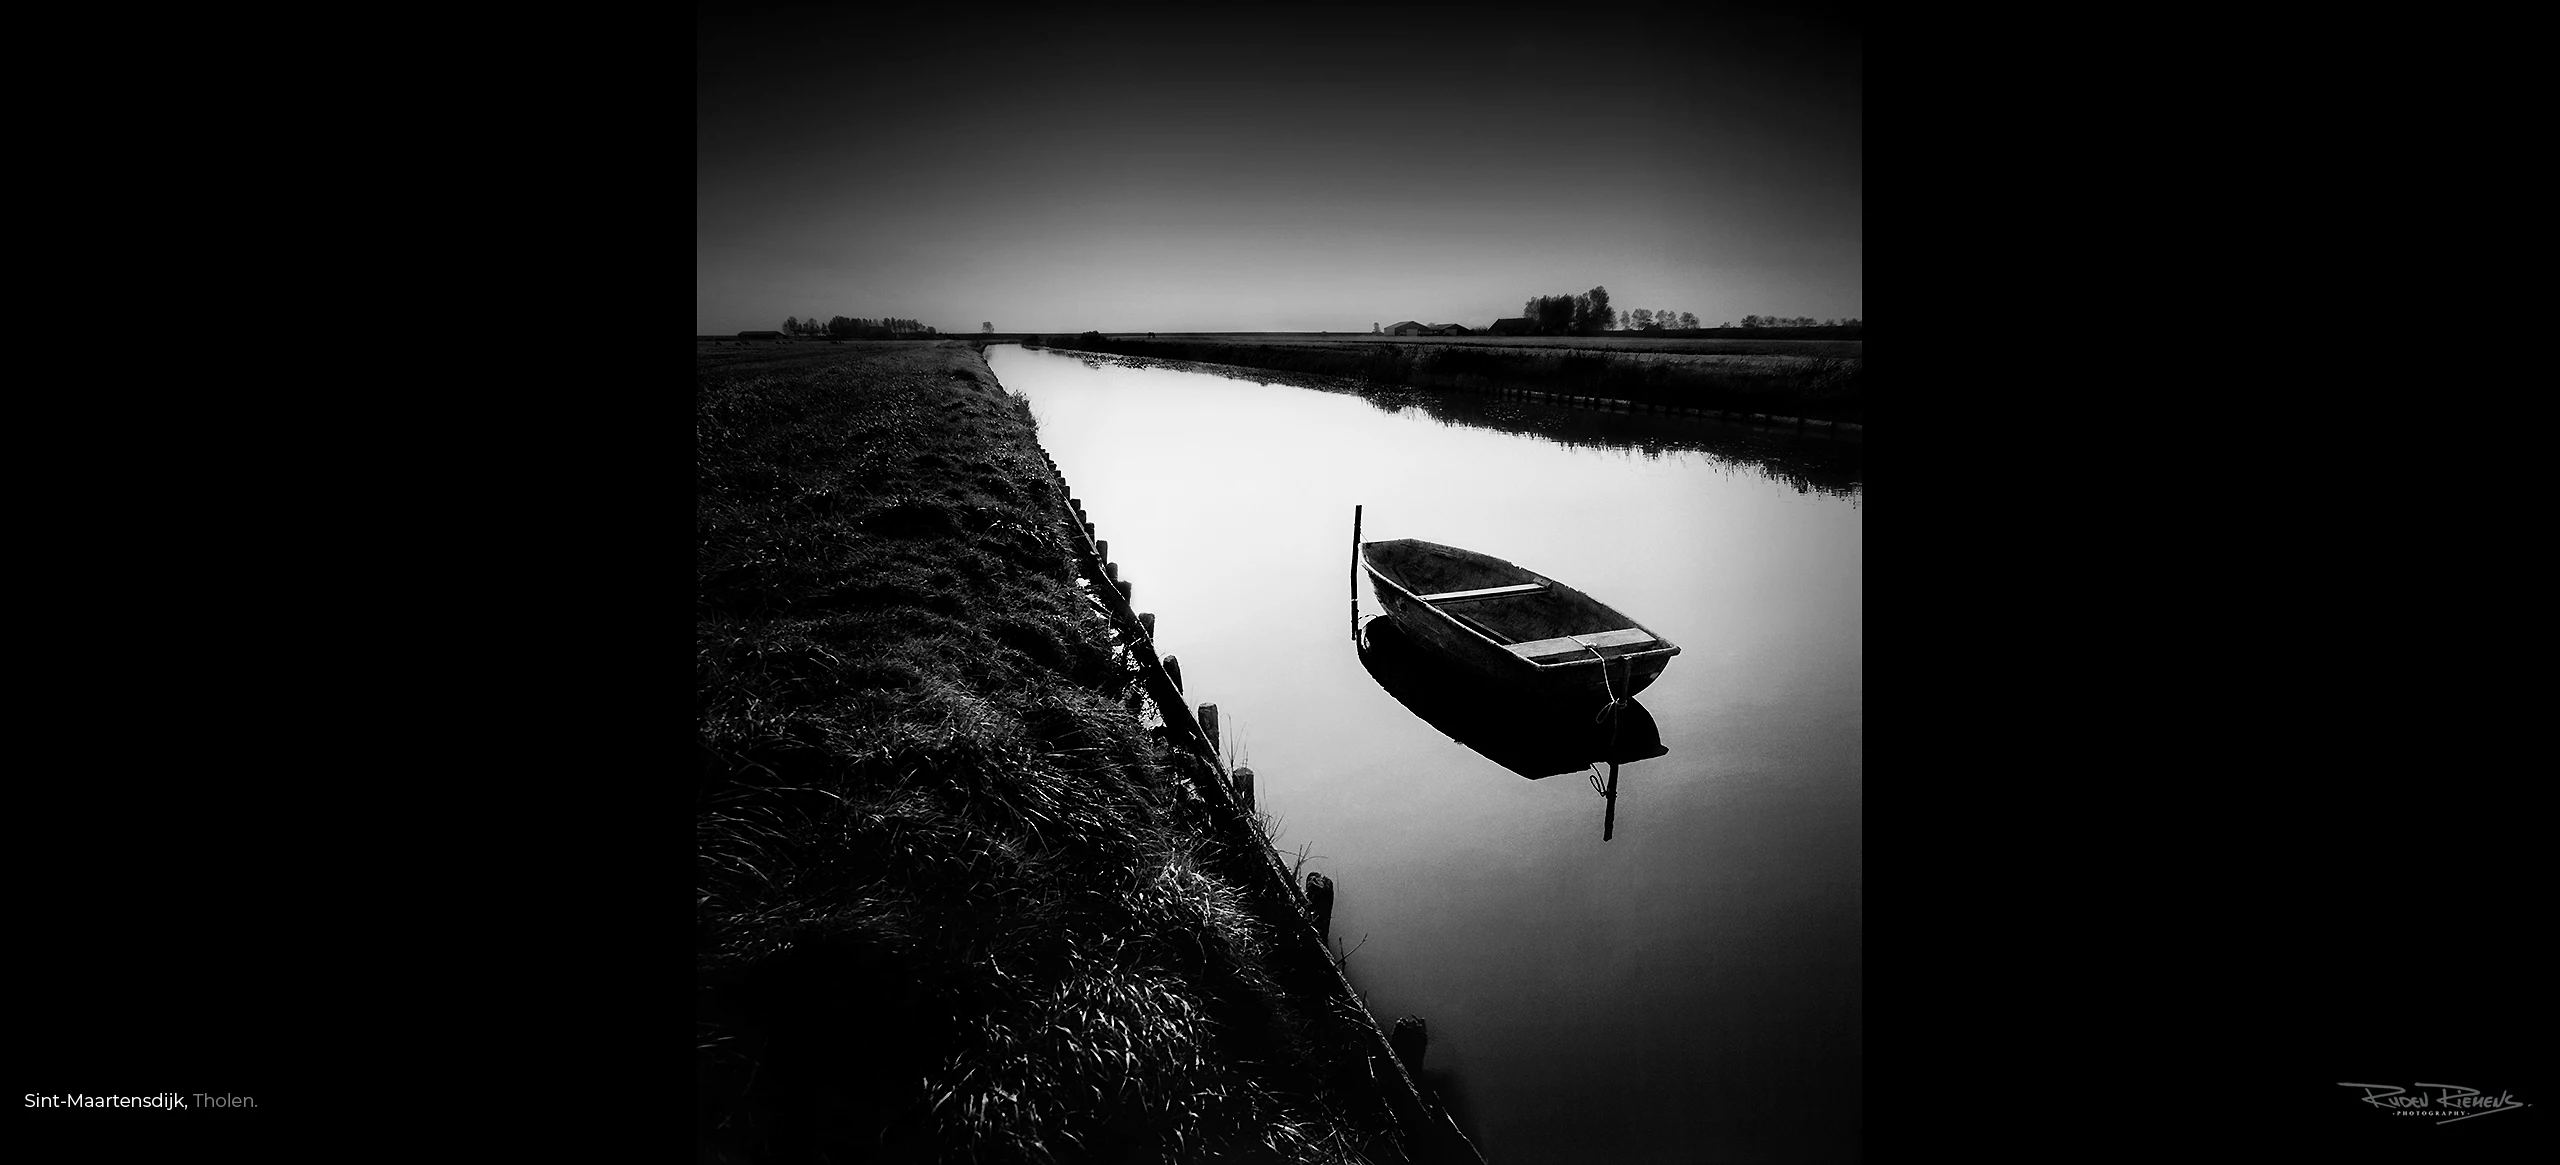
[{"x": 1688, "y": 991}]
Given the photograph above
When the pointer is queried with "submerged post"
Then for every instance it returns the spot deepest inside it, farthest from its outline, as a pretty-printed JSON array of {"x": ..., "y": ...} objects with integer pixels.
[{"x": 1609, "y": 820}]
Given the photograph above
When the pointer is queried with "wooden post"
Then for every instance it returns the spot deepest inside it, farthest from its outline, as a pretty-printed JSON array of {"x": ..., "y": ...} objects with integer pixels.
[
  {"x": 1147, "y": 621},
  {"x": 1102, "y": 549},
  {"x": 1355, "y": 574},
  {"x": 1173, "y": 670},
  {"x": 1410, "y": 1038},
  {"x": 1209, "y": 724}
]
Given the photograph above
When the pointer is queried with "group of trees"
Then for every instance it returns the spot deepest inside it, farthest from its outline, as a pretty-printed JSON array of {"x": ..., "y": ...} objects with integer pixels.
[
  {"x": 1570, "y": 315},
  {"x": 850, "y": 328}
]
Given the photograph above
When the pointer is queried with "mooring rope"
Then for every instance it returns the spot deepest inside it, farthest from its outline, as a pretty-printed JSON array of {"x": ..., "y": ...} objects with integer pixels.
[{"x": 1609, "y": 712}]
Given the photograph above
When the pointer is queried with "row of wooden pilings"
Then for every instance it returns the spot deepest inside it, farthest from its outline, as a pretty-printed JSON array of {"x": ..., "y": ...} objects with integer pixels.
[
  {"x": 1095, "y": 552},
  {"x": 1430, "y": 1136}
]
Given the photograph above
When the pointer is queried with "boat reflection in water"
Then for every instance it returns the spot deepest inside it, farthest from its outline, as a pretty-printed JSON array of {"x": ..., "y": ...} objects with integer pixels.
[{"x": 1532, "y": 736}]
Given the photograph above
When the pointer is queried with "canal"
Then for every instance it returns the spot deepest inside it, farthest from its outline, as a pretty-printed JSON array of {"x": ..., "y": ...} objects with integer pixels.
[{"x": 1686, "y": 991}]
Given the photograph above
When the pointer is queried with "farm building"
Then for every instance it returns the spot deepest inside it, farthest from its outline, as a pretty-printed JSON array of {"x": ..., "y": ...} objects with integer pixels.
[
  {"x": 1447, "y": 329},
  {"x": 1514, "y": 326},
  {"x": 1407, "y": 328}
]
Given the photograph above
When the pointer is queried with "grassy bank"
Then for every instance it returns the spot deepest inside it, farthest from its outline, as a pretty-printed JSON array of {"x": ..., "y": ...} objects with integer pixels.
[
  {"x": 1818, "y": 380},
  {"x": 954, "y": 900}
]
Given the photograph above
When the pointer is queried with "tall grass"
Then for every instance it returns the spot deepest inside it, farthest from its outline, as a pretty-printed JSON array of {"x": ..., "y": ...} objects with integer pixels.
[{"x": 953, "y": 901}]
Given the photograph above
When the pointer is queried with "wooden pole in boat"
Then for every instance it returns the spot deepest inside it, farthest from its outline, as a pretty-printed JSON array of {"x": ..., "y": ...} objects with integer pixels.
[
  {"x": 1609, "y": 821},
  {"x": 1355, "y": 574}
]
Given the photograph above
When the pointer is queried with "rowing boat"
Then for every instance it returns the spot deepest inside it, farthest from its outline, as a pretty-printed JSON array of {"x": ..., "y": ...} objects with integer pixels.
[{"x": 1512, "y": 625}]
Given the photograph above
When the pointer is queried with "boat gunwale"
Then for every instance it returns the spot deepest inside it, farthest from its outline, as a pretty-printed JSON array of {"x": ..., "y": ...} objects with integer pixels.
[{"x": 1665, "y": 651}]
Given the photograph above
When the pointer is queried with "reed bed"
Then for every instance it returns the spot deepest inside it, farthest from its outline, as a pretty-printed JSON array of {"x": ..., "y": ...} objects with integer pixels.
[
  {"x": 1826, "y": 387},
  {"x": 953, "y": 899}
]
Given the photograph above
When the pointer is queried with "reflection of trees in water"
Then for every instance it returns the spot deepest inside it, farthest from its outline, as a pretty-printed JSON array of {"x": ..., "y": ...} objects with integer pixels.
[
  {"x": 1825, "y": 465},
  {"x": 1811, "y": 464}
]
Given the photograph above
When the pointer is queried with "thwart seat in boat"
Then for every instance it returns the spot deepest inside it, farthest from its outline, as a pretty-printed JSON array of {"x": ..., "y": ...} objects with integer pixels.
[
  {"x": 1484, "y": 593},
  {"x": 1566, "y": 646}
]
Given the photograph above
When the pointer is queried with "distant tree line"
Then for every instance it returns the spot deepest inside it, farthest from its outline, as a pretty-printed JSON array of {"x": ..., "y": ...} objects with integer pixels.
[
  {"x": 1590, "y": 313},
  {"x": 850, "y": 328},
  {"x": 1649, "y": 320},
  {"x": 1794, "y": 322}
]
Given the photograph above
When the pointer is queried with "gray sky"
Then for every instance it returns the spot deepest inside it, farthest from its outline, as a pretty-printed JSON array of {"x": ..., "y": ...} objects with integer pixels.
[{"x": 1320, "y": 171}]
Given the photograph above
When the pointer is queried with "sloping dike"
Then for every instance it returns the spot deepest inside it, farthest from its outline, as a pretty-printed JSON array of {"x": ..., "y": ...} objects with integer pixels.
[{"x": 971, "y": 880}]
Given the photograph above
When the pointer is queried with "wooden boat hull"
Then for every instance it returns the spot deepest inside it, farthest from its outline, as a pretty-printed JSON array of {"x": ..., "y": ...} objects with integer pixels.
[
  {"x": 1524, "y": 631},
  {"x": 1531, "y": 737}
]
